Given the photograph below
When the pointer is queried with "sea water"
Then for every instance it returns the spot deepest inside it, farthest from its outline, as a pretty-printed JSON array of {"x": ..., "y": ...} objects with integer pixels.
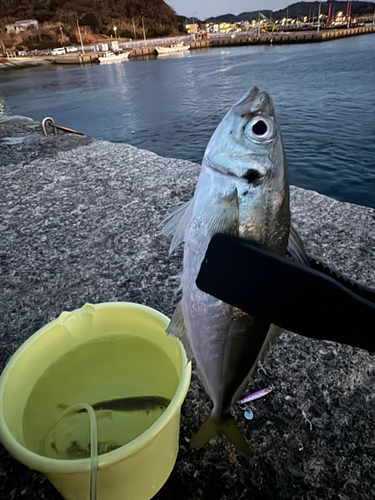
[
  {"x": 324, "y": 95},
  {"x": 113, "y": 366}
]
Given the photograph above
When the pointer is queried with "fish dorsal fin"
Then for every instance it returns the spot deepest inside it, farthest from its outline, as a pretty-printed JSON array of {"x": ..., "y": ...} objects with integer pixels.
[
  {"x": 176, "y": 223},
  {"x": 177, "y": 328},
  {"x": 295, "y": 248},
  {"x": 222, "y": 214}
]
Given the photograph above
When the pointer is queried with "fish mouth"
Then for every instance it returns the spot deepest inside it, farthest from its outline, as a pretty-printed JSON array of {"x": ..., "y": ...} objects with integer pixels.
[{"x": 251, "y": 176}]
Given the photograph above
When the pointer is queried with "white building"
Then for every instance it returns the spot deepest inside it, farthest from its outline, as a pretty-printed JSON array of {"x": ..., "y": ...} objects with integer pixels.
[
  {"x": 192, "y": 28},
  {"x": 28, "y": 24}
]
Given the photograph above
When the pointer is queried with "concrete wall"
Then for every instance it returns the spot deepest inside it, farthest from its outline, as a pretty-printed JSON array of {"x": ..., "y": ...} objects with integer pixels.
[{"x": 280, "y": 37}]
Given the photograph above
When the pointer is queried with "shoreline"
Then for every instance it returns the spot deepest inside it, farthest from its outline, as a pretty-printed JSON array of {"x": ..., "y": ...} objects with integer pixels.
[
  {"x": 24, "y": 62},
  {"x": 231, "y": 40}
]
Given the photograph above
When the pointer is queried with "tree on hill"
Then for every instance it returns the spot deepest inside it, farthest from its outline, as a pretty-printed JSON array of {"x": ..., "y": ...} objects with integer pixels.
[{"x": 100, "y": 15}]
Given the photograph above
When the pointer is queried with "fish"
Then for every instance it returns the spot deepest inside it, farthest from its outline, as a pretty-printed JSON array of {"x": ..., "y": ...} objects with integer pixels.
[
  {"x": 242, "y": 190},
  {"x": 135, "y": 403}
]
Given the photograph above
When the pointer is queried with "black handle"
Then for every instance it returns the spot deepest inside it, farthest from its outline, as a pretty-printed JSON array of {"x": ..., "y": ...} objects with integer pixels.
[{"x": 295, "y": 297}]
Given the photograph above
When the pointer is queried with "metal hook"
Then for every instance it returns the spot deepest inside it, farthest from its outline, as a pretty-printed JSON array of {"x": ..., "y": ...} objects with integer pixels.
[
  {"x": 51, "y": 122},
  {"x": 248, "y": 414},
  {"x": 48, "y": 119}
]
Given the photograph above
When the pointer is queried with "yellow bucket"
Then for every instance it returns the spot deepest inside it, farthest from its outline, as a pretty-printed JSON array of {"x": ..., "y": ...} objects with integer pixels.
[{"x": 97, "y": 353}]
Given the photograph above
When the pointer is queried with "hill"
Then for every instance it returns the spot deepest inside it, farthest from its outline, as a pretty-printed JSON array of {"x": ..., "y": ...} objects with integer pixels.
[
  {"x": 299, "y": 9},
  {"x": 58, "y": 19}
]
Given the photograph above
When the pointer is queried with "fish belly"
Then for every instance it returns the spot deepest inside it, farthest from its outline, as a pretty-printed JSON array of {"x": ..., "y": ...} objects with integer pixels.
[{"x": 225, "y": 341}]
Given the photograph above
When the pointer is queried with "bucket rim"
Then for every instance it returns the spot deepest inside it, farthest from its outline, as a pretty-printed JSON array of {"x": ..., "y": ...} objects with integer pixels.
[{"x": 52, "y": 465}]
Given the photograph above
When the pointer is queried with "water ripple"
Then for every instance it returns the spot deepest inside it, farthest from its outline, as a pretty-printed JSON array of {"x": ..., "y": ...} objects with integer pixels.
[{"x": 324, "y": 96}]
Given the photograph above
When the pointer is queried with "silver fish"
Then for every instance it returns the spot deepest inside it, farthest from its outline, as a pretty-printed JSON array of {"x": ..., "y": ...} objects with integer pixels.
[
  {"x": 242, "y": 190},
  {"x": 135, "y": 403}
]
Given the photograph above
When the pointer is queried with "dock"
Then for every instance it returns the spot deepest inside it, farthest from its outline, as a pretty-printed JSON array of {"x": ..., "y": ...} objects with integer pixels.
[
  {"x": 283, "y": 37},
  {"x": 279, "y": 37}
]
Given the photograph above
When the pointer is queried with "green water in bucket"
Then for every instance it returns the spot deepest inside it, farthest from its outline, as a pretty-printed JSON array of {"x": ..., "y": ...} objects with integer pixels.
[{"x": 108, "y": 368}]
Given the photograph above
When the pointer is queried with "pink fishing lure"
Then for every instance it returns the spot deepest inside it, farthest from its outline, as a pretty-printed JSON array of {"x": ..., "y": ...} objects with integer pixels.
[{"x": 256, "y": 395}]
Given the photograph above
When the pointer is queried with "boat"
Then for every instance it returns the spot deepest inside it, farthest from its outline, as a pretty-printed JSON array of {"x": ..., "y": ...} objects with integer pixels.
[
  {"x": 109, "y": 56},
  {"x": 177, "y": 47},
  {"x": 75, "y": 59}
]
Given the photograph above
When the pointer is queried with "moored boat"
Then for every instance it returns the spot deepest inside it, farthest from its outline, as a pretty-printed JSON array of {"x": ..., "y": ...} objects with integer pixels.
[
  {"x": 75, "y": 59},
  {"x": 177, "y": 47},
  {"x": 112, "y": 57}
]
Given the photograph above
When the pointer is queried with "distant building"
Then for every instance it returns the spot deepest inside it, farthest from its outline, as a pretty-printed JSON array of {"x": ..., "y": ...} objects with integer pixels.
[
  {"x": 28, "y": 24},
  {"x": 224, "y": 27},
  {"x": 192, "y": 28}
]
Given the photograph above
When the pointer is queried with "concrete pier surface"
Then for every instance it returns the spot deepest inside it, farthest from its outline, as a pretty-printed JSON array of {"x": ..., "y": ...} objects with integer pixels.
[{"x": 79, "y": 222}]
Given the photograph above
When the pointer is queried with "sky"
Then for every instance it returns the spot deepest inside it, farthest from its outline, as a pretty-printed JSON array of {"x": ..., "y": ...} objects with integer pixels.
[{"x": 211, "y": 8}]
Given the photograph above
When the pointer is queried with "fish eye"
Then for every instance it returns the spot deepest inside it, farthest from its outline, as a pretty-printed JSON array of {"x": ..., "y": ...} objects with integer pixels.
[{"x": 260, "y": 129}]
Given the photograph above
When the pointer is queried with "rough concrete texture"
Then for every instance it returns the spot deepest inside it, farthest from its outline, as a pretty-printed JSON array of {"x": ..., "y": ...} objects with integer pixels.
[{"x": 79, "y": 223}]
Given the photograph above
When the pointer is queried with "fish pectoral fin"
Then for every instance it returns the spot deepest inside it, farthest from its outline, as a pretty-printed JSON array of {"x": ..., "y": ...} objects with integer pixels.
[
  {"x": 295, "y": 248},
  {"x": 176, "y": 223},
  {"x": 177, "y": 328},
  {"x": 223, "y": 215},
  {"x": 216, "y": 425}
]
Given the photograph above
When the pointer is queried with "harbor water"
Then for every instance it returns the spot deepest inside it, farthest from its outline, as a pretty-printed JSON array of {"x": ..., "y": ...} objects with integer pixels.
[{"x": 324, "y": 95}]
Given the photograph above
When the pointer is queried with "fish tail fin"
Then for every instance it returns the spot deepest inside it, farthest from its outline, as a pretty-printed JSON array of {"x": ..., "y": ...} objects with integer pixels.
[{"x": 219, "y": 425}]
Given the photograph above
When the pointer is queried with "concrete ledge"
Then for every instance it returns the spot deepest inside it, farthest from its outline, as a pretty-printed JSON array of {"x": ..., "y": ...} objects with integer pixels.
[
  {"x": 79, "y": 223},
  {"x": 281, "y": 37}
]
